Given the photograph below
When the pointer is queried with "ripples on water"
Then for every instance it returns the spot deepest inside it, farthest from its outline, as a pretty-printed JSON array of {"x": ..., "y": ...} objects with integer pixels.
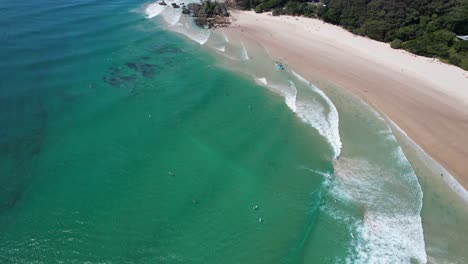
[{"x": 99, "y": 103}]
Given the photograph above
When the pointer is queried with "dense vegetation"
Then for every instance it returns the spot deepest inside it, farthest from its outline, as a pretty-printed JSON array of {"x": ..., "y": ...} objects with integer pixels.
[
  {"x": 423, "y": 27},
  {"x": 209, "y": 13}
]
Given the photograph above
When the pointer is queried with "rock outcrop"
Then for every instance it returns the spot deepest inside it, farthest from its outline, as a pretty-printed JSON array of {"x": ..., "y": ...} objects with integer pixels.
[{"x": 210, "y": 14}]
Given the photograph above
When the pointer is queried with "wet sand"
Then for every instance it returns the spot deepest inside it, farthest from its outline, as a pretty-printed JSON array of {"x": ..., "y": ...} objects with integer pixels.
[{"x": 424, "y": 97}]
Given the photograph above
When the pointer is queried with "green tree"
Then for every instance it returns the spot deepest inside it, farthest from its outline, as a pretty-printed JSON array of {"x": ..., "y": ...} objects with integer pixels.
[
  {"x": 396, "y": 44},
  {"x": 424, "y": 27}
]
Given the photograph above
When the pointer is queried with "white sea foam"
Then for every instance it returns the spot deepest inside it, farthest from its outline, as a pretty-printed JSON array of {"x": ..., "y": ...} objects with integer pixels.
[
  {"x": 153, "y": 10},
  {"x": 191, "y": 31},
  {"x": 171, "y": 15},
  {"x": 230, "y": 57},
  {"x": 262, "y": 80},
  {"x": 392, "y": 239},
  {"x": 244, "y": 54},
  {"x": 291, "y": 96},
  {"x": 391, "y": 231},
  {"x": 226, "y": 39},
  {"x": 222, "y": 48},
  {"x": 391, "y": 197},
  {"x": 325, "y": 175},
  {"x": 289, "y": 93},
  {"x": 448, "y": 178},
  {"x": 326, "y": 122}
]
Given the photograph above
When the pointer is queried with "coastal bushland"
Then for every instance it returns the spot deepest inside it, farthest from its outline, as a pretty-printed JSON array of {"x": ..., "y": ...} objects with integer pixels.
[
  {"x": 423, "y": 27},
  {"x": 209, "y": 13}
]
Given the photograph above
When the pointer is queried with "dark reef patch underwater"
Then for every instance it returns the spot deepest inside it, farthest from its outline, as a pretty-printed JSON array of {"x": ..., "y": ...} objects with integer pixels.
[
  {"x": 117, "y": 76},
  {"x": 122, "y": 142},
  {"x": 84, "y": 167}
]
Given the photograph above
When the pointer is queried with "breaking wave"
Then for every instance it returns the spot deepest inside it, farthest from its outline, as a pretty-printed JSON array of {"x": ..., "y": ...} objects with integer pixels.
[
  {"x": 194, "y": 33},
  {"x": 171, "y": 15},
  {"x": 176, "y": 22},
  {"x": 391, "y": 231},
  {"x": 291, "y": 98},
  {"x": 153, "y": 10},
  {"x": 448, "y": 178},
  {"x": 262, "y": 80},
  {"x": 326, "y": 121}
]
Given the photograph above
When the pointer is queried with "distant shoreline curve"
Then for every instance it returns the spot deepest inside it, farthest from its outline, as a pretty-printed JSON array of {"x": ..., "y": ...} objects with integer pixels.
[{"x": 424, "y": 97}]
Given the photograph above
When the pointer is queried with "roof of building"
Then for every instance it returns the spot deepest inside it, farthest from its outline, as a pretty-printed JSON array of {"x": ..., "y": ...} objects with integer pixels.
[{"x": 463, "y": 37}]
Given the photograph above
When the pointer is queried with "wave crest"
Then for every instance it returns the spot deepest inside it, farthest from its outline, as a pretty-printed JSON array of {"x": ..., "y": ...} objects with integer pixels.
[{"x": 326, "y": 122}]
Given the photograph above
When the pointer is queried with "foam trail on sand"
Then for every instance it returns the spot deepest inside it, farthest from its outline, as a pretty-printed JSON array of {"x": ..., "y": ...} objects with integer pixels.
[
  {"x": 314, "y": 114},
  {"x": 222, "y": 48},
  {"x": 226, "y": 39},
  {"x": 232, "y": 58},
  {"x": 244, "y": 54},
  {"x": 171, "y": 15},
  {"x": 191, "y": 31},
  {"x": 448, "y": 178},
  {"x": 262, "y": 80}
]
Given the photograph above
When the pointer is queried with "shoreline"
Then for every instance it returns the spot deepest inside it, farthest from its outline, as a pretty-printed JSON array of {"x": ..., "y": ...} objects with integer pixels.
[
  {"x": 431, "y": 164},
  {"x": 432, "y": 111}
]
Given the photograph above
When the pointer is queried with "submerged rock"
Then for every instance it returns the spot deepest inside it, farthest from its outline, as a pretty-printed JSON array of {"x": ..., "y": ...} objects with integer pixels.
[
  {"x": 117, "y": 77},
  {"x": 117, "y": 80},
  {"x": 146, "y": 69},
  {"x": 168, "y": 49},
  {"x": 185, "y": 11}
]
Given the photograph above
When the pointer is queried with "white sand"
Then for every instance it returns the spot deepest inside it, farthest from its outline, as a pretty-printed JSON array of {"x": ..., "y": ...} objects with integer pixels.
[{"x": 428, "y": 99}]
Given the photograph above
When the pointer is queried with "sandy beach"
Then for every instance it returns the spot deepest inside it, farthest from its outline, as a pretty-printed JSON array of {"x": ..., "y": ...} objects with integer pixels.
[{"x": 425, "y": 97}]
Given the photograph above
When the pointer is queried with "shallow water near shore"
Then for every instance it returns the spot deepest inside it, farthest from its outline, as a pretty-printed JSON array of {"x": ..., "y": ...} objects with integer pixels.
[{"x": 126, "y": 140}]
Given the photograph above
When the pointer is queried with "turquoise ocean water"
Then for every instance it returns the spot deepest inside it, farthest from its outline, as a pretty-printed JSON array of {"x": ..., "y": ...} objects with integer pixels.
[{"x": 122, "y": 141}]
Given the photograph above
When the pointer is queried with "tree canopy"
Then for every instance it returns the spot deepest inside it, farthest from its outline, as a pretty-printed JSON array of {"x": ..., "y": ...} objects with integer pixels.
[{"x": 423, "y": 27}]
